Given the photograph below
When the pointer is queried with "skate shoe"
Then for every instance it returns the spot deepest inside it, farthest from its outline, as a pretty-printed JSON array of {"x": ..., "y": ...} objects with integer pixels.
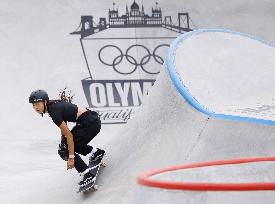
[
  {"x": 99, "y": 154},
  {"x": 87, "y": 178}
]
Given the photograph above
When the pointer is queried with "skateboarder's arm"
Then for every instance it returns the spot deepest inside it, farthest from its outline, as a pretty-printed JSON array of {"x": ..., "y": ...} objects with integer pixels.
[
  {"x": 67, "y": 133},
  {"x": 62, "y": 133}
]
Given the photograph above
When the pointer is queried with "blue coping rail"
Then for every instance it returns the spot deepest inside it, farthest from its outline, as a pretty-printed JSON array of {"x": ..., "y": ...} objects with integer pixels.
[{"x": 183, "y": 90}]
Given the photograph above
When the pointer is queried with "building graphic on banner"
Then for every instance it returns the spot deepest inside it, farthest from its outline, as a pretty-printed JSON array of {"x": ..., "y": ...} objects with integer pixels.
[
  {"x": 135, "y": 17},
  {"x": 124, "y": 54}
]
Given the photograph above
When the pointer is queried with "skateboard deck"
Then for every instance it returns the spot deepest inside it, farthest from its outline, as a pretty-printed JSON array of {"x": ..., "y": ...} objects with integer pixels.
[{"x": 95, "y": 169}]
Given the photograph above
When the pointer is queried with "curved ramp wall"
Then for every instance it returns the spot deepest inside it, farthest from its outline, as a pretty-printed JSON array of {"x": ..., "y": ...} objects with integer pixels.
[
  {"x": 167, "y": 131},
  {"x": 174, "y": 132},
  {"x": 193, "y": 65},
  {"x": 225, "y": 74}
]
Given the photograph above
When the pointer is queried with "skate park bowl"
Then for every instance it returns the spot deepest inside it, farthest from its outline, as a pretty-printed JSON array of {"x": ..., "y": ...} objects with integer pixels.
[
  {"x": 207, "y": 123},
  {"x": 227, "y": 76},
  {"x": 216, "y": 104},
  {"x": 167, "y": 130}
]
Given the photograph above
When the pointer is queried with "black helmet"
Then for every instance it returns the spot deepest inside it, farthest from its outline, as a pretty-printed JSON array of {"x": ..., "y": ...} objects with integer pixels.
[{"x": 38, "y": 95}]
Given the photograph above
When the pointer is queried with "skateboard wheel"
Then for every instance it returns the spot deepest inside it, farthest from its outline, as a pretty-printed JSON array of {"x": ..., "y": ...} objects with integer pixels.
[
  {"x": 104, "y": 164},
  {"x": 95, "y": 187}
]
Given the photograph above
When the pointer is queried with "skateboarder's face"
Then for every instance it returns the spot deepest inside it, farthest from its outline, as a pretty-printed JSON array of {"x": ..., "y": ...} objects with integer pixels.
[{"x": 38, "y": 106}]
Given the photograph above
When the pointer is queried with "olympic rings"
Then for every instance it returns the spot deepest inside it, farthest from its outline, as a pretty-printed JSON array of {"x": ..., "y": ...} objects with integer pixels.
[{"x": 130, "y": 59}]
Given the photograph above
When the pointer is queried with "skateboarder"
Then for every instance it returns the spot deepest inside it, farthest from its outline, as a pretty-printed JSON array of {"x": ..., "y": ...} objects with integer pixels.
[{"x": 76, "y": 141}]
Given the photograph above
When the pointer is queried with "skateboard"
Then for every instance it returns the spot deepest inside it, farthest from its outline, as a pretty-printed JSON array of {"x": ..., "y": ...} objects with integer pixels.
[{"x": 95, "y": 169}]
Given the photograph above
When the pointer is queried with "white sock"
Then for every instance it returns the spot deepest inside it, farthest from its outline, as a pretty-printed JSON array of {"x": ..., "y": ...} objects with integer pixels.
[
  {"x": 94, "y": 150},
  {"x": 84, "y": 172}
]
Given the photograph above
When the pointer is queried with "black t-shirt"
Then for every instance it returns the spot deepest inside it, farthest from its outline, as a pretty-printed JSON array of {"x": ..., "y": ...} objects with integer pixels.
[{"x": 62, "y": 111}]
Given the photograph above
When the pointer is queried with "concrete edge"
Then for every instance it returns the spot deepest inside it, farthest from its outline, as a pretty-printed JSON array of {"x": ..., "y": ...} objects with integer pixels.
[{"x": 183, "y": 90}]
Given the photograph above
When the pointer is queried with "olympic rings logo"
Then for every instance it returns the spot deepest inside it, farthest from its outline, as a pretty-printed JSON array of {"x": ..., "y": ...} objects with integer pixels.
[{"x": 143, "y": 60}]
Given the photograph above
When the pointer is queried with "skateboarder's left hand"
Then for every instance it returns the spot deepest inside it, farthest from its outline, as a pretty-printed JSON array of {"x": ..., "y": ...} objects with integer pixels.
[{"x": 70, "y": 164}]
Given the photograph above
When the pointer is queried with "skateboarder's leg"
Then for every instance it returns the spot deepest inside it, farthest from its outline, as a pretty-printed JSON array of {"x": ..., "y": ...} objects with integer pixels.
[
  {"x": 81, "y": 140},
  {"x": 80, "y": 148},
  {"x": 79, "y": 164},
  {"x": 84, "y": 132},
  {"x": 87, "y": 127},
  {"x": 81, "y": 143},
  {"x": 85, "y": 172}
]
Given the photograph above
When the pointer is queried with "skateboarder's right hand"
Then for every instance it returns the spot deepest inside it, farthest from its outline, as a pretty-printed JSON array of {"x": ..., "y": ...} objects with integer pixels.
[{"x": 70, "y": 163}]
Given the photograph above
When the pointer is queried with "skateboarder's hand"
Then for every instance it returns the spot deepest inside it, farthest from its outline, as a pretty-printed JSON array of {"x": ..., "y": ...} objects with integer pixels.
[{"x": 70, "y": 164}]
